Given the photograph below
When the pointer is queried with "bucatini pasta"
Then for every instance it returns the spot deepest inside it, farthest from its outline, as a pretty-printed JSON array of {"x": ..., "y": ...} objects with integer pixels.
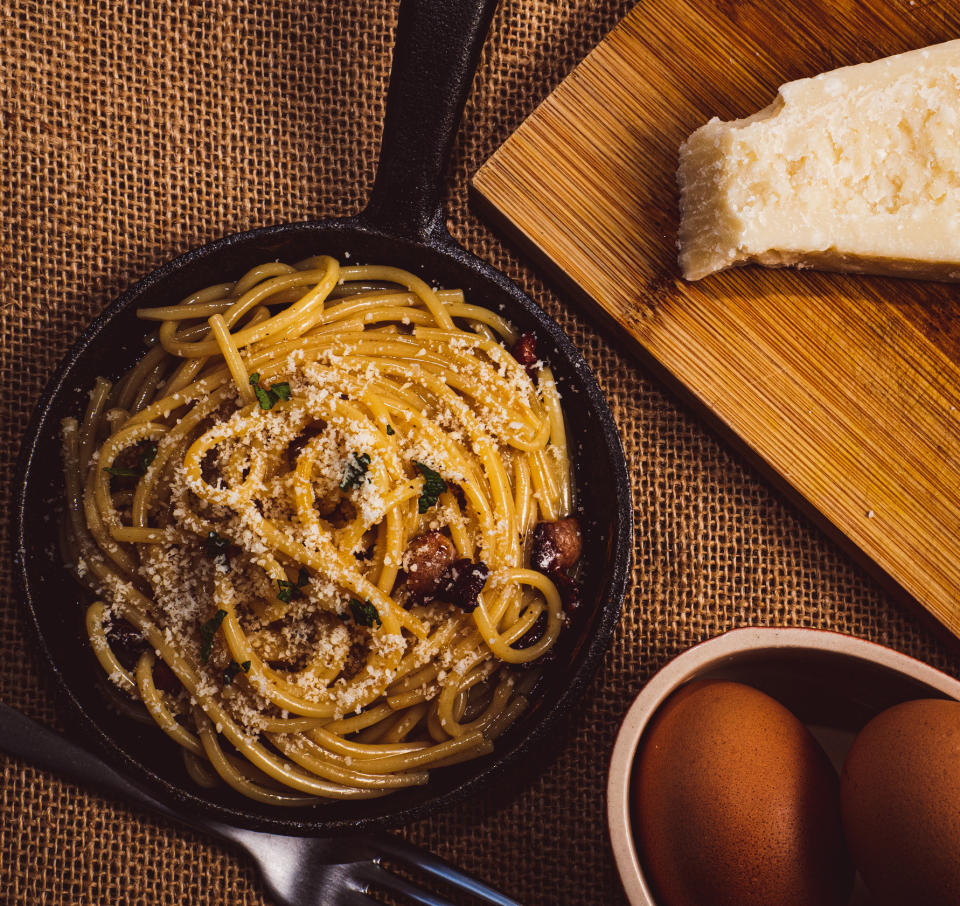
[{"x": 325, "y": 517}]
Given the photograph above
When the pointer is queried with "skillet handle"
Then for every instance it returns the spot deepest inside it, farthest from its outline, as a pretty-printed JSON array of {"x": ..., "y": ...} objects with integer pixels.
[
  {"x": 436, "y": 53},
  {"x": 36, "y": 744}
]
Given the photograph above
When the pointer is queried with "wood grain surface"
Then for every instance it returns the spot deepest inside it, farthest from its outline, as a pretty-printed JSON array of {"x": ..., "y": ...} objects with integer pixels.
[{"x": 847, "y": 386}]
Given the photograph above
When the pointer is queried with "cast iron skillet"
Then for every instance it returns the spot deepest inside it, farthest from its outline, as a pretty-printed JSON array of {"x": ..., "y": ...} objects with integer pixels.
[{"x": 437, "y": 47}]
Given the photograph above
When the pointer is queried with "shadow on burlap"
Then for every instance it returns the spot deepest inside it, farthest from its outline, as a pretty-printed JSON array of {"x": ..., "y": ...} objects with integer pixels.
[{"x": 135, "y": 131}]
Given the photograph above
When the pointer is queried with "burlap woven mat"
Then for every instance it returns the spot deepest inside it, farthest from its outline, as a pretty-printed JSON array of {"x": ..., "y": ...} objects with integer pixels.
[{"x": 133, "y": 131}]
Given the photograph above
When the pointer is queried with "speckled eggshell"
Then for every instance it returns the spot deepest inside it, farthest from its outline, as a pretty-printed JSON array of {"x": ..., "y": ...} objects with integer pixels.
[
  {"x": 736, "y": 804},
  {"x": 900, "y": 793}
]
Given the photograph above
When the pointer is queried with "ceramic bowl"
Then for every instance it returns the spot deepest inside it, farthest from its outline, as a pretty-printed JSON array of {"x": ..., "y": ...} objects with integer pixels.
[{"x": 833, "y": 683}]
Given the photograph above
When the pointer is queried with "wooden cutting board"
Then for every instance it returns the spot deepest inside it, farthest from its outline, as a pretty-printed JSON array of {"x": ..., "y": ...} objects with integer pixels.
[{"x": 847, "y": 386}]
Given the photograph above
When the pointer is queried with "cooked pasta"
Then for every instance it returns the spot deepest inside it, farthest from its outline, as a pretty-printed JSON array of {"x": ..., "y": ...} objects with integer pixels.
[{"x": 310, "y": 515}]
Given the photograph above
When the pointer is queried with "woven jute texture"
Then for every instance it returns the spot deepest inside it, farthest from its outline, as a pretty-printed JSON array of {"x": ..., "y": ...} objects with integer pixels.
[{"x": 133, "y": 131}]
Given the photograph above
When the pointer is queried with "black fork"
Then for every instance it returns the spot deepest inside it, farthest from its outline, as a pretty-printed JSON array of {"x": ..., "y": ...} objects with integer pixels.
[{"x": 297, "y": 871}]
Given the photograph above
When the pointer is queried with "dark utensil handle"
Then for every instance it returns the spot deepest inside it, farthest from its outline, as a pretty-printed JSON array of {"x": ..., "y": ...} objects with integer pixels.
[
  {"x": 437, "y": 48},
  {"x": 25, "y": 738},
  {"x": 395, "y": 849}
]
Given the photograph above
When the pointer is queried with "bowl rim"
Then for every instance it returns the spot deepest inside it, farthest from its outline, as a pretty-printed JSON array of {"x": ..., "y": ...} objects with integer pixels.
[
  {"x": 714, "y": 652},
  {"x": 614, "y": 579}
]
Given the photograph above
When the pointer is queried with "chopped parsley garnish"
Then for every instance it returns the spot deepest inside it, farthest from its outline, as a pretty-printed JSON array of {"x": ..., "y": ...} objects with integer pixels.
[
  {"x": 287, "y": 590},
  {"x": 364, "y": 613},
  {"x": 433, "y": 487},
  {"x": 208, "y": 632},
  {"x": 121, "y": 472},
  {"x": 233, "y": 668},
  {"x": 357, "y": 466},
  {"x": 390, "y": 430},
  {"x": 149, "y": 455},
  {"x": 269, "y": 396},
  {"x": 217, "y": 547}
]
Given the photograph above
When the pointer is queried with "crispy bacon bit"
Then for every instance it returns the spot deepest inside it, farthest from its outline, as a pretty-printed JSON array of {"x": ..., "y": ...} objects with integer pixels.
[
  {"x": 569, "y": 590},
  {"x": 125, "y": 642},
  {"x": 356, "y": 658},
  {"x": 164, "y": 678},
  {"x": 556, "y": 549},
  {"x": 462, "y": 583},
  {"x": 425, "y": 561},
  {"x": 556, "y": 545},
  {"x": 525, "y": 352}
]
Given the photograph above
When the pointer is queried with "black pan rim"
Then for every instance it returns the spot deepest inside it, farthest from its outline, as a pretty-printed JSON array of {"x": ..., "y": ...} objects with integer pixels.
[{"x": 589, "y": 658}]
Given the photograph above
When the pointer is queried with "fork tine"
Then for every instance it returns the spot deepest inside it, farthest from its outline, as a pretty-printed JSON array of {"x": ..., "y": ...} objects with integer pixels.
[
  {"x": 397, "y": 850},
  {"x": 372, "y": 874}
]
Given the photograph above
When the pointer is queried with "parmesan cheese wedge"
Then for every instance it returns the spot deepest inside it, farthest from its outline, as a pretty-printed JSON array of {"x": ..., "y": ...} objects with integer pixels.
[{"x": 854, "y": 170}]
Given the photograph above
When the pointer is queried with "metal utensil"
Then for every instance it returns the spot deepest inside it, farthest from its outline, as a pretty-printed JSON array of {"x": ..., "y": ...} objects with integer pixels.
[{"x": 299, "y": 871}]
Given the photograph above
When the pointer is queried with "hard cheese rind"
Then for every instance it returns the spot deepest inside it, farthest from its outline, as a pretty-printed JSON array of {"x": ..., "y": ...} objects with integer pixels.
[{"x": 854, "y": 170}]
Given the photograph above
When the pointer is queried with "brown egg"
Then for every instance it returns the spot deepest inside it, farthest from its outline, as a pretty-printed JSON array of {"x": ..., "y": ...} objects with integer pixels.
[
  {"x": 900, "y": 793},
  {"x": 736, "y": 804}
]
